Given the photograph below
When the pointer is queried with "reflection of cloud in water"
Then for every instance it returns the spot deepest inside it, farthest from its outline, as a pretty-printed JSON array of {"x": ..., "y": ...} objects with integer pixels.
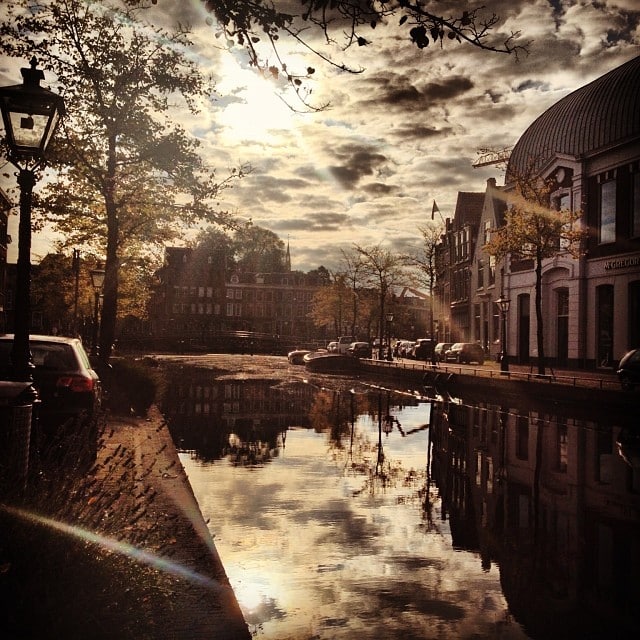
[
  {"x": 330, "y": 549},
  {"x": 266, "y": 610}
]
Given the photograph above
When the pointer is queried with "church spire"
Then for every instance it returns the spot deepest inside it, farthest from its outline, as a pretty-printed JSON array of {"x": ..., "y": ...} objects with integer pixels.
[{"x": 288, "y": 258}]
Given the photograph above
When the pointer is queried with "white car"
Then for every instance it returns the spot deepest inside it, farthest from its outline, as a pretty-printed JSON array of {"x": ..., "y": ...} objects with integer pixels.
[{"x": 332, "y": 347}]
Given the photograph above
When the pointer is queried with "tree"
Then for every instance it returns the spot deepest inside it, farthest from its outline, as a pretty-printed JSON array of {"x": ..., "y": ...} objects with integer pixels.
[
  {"x": 382, "y": 270},
  {"x": 534, "y": 231},
  {"x": 258, "y": 250},
  {"x": 127, "y": 172},
  {"x": 353, "y": 267},
  {"x": 327, "y": 307},
  {"x": 253, "y": 23},
  {"x": 425, "y": 262},
  {"x": 52, "y": 292}
]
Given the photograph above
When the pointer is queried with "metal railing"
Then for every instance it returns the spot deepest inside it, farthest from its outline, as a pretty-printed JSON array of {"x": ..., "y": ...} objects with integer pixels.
[{"x": 578, "y": 379}]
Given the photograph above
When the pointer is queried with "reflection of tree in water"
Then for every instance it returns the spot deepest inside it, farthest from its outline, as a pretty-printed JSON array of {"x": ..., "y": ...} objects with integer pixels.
[{"x": 338, "y": 412}]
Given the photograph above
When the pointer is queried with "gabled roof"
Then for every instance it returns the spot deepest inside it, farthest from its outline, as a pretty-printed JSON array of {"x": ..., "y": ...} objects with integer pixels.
[{"x": 468, "y": 209}]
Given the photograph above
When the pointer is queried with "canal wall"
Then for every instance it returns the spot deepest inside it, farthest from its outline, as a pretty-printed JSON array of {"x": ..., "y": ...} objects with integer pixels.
[{"x": 577, "y": 393}]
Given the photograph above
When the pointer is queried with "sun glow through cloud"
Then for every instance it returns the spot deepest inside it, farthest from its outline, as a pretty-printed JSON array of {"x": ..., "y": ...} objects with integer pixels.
[{"x": 255, "y": 113}]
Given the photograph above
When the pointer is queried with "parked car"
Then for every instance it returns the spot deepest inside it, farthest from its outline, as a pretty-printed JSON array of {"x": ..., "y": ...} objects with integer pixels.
[
  {"x": 422, "y": 349},
  {"x": 629, "y": 369},
  {"x": 465, "y": 353},
  {"x": 441, "y": 349},
  {"x": 402, "y": 348},
  {"x": 360, "y": 350},
  {"x": 332, "y": 347},
  {"x": 344, "y": 342},
  {"x": 69, "y": 390}
]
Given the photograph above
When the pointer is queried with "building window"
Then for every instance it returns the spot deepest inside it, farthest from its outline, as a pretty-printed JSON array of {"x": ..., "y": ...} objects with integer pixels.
[
  {"x": 480, "y": 274},
  {"x": 487, "y": 231},
  {"x": 604, "y": 319},
  {"x": 238, "y": 294},
  {"x": 607, "y": 221},
  {"x": 564, "y": 204},
  {"x": 230, "y": 293},
  {"x": 635, "y": 206},
  {"x": 229, "y": 308},
  {"x": 634, "y": 313}
]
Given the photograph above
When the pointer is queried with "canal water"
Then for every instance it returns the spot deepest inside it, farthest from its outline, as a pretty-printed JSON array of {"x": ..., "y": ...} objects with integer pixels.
[{"x": 354, "y": 511}]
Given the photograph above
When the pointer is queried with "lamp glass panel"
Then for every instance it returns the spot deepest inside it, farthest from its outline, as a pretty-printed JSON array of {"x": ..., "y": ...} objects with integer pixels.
[
  {"x": 28, "y": 129},
  {"x": 97, "y": 279}
]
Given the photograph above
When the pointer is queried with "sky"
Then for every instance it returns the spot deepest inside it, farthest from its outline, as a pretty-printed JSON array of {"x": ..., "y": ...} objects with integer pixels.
[{"x": 398, "y": 136}]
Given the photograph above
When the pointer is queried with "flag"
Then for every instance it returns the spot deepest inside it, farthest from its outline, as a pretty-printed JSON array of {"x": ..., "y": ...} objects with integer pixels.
[{"x": 434, "y": 209}]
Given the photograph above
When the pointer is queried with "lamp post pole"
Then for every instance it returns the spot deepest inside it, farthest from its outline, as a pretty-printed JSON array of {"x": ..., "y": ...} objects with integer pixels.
[
  {"x": 97, "y": 281},
  {"x": 389, "y": 321},
  {"x": 30, "y": 114},
  {"x": 76, "y": 275},
  {"x": 21, "y": 353},
  {"x": 503, "y": 303}
]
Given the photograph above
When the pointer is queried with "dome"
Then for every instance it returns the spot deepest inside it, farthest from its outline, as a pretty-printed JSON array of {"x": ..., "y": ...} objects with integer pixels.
[{"x": 603, "y": 113}]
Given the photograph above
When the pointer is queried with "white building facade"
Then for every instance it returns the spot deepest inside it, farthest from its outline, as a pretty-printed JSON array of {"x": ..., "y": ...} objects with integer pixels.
[{"x": 589, "y": 143}]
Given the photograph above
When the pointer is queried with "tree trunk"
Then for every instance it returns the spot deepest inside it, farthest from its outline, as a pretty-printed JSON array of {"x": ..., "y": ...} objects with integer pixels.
[
  {"x": 539, "y": 322},
  {"x": 110, "y": 303}
]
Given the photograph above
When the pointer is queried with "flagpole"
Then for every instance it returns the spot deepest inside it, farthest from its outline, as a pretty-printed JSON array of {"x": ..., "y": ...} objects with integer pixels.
[{"x": 435, "y": 208}]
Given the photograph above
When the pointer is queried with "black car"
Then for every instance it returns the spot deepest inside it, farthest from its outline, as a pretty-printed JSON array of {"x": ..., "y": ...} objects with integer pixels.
[
  {"x": 422, "y": 349},
  {"x": 69, "y": 390},
  {"x": 629, "y": 369},
  {"x": 465, "y": 352},
  {"x": 360, "y": 350}
]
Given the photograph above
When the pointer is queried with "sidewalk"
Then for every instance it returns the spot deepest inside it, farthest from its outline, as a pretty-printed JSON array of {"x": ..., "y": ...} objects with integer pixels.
[
  {"x": 130, "y": 558},
  {"x": 592, "y": 378}
]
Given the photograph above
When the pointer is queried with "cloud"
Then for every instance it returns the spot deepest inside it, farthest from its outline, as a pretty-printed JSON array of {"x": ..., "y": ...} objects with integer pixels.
[{"x": 397, "y": 136}]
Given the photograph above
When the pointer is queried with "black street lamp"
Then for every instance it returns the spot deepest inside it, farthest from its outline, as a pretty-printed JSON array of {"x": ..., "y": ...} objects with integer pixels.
[
  {"x": 389, "y": 321},
  {"x": 97, "y": 282},
  {"x": 75, "y": 264},
  {"x": 30, "y": 114},
  {"x": 503, "y": 303}
]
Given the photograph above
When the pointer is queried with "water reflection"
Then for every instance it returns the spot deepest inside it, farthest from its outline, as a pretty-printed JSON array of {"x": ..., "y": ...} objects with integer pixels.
[
  {"x": 329, "y": 525},
  {"x": 554, "y": 502}
]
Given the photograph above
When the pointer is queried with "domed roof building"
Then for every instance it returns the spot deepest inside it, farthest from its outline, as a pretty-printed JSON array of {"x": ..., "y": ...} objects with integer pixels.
[
  {"x": 603, "y": 114},
  {"x": 589, "y": 144}
]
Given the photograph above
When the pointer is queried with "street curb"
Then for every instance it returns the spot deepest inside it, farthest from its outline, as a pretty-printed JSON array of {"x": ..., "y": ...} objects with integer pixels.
[{"x": 180, "y": 539}]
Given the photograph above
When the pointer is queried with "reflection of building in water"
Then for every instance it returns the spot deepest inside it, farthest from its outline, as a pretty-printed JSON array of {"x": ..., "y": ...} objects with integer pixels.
[
  {"x": 550, "y": 500},
  {"x": 203, "y": 412}
]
